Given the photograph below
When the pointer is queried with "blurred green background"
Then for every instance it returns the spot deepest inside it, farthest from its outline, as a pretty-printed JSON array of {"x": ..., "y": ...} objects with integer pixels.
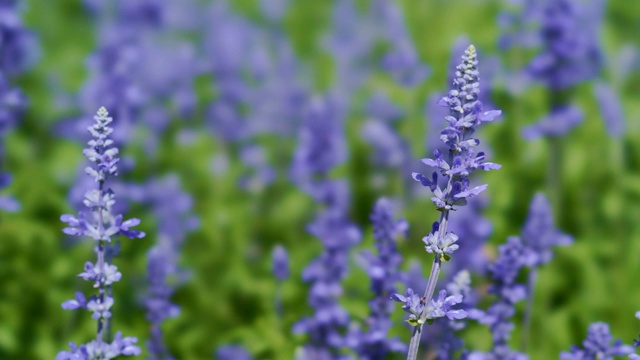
[{"x": 229, "y": 297}]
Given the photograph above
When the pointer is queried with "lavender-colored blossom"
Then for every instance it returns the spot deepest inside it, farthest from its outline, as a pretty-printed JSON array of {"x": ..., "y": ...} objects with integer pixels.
[
  {"x": 324, "y": 273},
  {"x": 404, "y": 64},
  {"x": 512, "y": 257},
  {"x": 350, "y": 42},
  {"x": 421, "y": 312},
  {"x": 7, "y": 203},
  {"x": 172, "y": 208},
  {"x": 382, "y": 268},
  {"x": 274, "y": 10},
  {"x": 610, "y": 109},
  {"x": 379, "y": 106},
  {"x": 402, "y": 60},
  {"x": 597, "y": 345},
  {"x": 12, "y": 105},
  {"x": 443, "y": 247},
  {"x": 100, "y": 224},
  {"x": 101, "y": 350},
  {"x": 465, "y": 115},
  {"x": 390, "y": 150},
  {"x": 18, "y": 48},
  {"x": 232, "y": 352},
  {"x": 443, "y": 336},
  {"x": 259, "y": 173},
  {"x": 280, "y": 263},
  {"x": 454, "y": 168},
  {"x": 559, "y": 122},
  {"x": 569, "y": 37},
  {"x": 321, "y": 145},
  {"x": 539, "y": 234}
]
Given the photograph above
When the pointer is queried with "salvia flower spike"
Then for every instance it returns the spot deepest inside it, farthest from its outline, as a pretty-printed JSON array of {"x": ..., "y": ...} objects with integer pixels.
[
  {"x": 101, "y": 225},
  {"x": 452, "y": 191}
]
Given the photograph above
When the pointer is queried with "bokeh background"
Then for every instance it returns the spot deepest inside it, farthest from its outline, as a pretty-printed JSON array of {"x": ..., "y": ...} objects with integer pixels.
[{"x": 209, "y": 98}]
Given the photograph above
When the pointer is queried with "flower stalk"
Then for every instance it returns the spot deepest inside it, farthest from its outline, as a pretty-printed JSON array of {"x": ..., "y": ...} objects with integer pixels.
[{"x": 453, "y": 167}]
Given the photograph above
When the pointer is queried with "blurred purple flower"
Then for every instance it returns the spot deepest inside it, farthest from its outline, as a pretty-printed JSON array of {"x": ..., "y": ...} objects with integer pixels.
[
  {"x": 570, "y": 52},
  {"x": 380, "y": 107},
  {"x": 232, "y": 352},
  {"x": 558, "y": 123},
  {"x": 321, "y": 145},
  {"x": 610, "y": 109},
  {"x": 512, "y": 257},
  {"x": 539, "y": 234},
  {"x": 280, "y": 263},
  {"x": 382, "y": 268},
  {"x": 19, "y": 46},
  {"x": 597, "y": 345}
]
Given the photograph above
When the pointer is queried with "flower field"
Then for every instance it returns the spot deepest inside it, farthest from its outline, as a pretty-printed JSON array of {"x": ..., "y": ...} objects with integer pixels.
[{"x": 319, "y": 180}]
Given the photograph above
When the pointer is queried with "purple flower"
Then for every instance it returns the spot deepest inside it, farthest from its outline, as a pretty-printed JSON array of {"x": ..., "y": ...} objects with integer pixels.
[
  {"x": 232, "y": 352},
  {"x": 101, "y": 350},
  {"x": 450, "y": 186},
  {"x": 559, "y": 122},
  {"x": 100, "y": 308},
  {"x": 512, "y": 257},
  {"x": 597, "y": 345},
  {"x": 18, "y": 48},
  {"x": 7, "y": 203},
  {"x": 420, "y": 312},
  {"x": 390, "y": 150},
  {"x": 172, "y": 208},
  {"x": 539, "y": 234},
  {"x": 380, "y": 107},
  {"x": 402, "y": 60},
  {"x": 465, "y": 115},
  {"x": 610, "y": 109},
  {"x": 442, "y": 306},
  {"x": 100, "y": 224},
  {"x": 382, "y": 268},
  {"x": 412, "y": 304},
  {"x": 321, "y": 145},
  {"x": 569, "y": 36},
  {"x": 107, "y": 275},
  {"x": 442, "y": 246},
  {"x": 79, "y": 302},
  {"x": 280, "y": 263}
]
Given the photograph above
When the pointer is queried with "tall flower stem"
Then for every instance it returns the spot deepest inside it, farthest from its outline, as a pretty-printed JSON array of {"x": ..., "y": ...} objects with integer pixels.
[
  {"x": 453, "y": 165},
  {"x": 100, "y": 224},
  {"x": 428, "y": 294},
  {"x": 430, "y": 289}
]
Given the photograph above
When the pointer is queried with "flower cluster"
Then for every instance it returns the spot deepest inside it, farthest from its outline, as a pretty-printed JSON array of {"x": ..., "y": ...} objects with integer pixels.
[
  {"x": 101, "y": 225},
  {"x": 465, "y": 115},
  {"x": 321, "y": 147},
  {"x": 597, "y": 345},
  {"x": 569, "y": 37},
  {"x": 373, "y": 343},
  {"x": 172, "y": 207},
  {"x": 539, "y": 233},
  {"x": 451, "y": 191},
  {"x": 280, "y": 263},
  {"x": 512, "y": 257},
  {"x": 97, "y": 350},
  {"x": 420, "y": 312},
  {"x": 17, "y": 52}
]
